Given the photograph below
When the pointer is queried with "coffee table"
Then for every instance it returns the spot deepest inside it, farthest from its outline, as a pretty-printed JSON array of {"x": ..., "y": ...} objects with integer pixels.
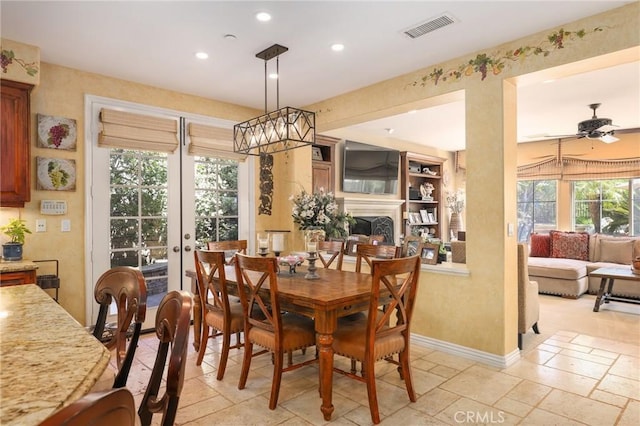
[{"x": 609, "y": 275}]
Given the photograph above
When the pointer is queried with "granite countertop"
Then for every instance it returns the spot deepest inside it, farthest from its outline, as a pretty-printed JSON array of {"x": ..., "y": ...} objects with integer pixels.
[
  {"x": 47, "y": 359},
  {"x": 17, "y": 266}
]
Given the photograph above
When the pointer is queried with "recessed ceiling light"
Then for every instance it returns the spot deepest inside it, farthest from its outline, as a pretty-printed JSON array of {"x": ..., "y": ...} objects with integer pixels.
[
  {"x": 230, "y": 37},
  {"x": 390, "y": 130},
  {"x": 337, "y": 47},
  {"x": 202, "y": 55},
  {"x": 263, "y": 16},
  {"x": 413, "y": 111},
  {"x": 273, "y": 76}
]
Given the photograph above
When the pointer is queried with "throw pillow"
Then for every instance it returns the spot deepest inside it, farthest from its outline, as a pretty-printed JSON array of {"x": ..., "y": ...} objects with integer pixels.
[
  {"x": 616, "y": 251},
  {"x": 570, "y": 245},
  {"x": 540, "y": 245}
]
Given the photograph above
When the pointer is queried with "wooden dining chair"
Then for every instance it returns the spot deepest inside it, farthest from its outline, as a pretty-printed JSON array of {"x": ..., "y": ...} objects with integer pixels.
[
  {"x": 127, "y": 287},
  {"x": 105, "y": 408},
  {"x": 376, "y": 337},
  {"x": 265, "y": 325},
  {"x": 173, "y": 320},
  {"x": 368, "y": 252},
  {"x": 230, "y": 248},
  {"x": 217, "y": 311},
  {"x": 335, "y": 249}
]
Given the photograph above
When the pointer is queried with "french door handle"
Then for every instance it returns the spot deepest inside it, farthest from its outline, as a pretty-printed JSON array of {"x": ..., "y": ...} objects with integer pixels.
[
  {"x": 176, "y": 249},
  {"x": 187, "y": 248}
]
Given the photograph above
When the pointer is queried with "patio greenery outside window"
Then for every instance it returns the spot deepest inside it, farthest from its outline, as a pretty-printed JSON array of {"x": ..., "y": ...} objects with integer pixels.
[
  {"x": 536, "y": 207},
  {"x": 216, "y": 200},
  {"x": 607, "y": 206}
]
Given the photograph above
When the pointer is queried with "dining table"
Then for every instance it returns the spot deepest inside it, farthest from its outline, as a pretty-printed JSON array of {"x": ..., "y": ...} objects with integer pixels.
[
  {"x": 47, "y": 359},
  {"x": 332, "y": 295}
]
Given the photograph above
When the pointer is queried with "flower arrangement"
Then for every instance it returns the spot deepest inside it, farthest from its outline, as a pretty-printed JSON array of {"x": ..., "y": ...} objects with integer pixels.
[
  {"x": 455, "y": 202},
  {"x": 320, "y": 209}
]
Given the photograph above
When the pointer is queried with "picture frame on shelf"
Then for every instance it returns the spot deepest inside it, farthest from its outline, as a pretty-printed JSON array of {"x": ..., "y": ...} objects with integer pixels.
[
  {"x": 412, "y": 245},
  {"x": 429, "y": 253},
  {"x": 416, "y": 217},
  {"x": 316, "y": 153},
  {"x": 425, "y": 216},
  {"x": 431, "y": 218}
]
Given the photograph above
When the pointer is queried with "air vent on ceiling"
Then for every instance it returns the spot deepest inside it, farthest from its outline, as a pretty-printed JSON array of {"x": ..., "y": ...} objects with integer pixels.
[{"x": 431, "y": 25}]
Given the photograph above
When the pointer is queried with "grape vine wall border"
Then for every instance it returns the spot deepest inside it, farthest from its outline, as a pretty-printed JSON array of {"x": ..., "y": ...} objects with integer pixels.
[
  {"x": 8, "y": 57},
  {"x": 483, "y": 62}
]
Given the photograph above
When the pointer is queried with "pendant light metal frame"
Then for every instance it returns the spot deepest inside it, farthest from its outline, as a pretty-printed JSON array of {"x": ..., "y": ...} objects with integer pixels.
[{"x": 280, "y": 130}]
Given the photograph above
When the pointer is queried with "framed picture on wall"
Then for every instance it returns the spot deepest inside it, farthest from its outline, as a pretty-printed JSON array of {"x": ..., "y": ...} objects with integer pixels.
[
  {"x": 56, "y": 132},
  {"x": 55, "y": 174}
]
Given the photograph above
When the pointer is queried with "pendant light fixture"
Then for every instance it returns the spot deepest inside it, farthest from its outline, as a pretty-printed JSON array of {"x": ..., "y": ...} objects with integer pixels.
[{"x": 280, "y": 130}]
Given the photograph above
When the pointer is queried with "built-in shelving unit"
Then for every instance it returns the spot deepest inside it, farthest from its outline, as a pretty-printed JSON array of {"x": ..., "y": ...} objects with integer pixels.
[
  {"x": 421, "y": 211},
  {"x": 323, "y": 159}
]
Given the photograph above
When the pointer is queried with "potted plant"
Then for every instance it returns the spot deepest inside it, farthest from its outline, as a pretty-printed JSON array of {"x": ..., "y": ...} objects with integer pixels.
[{"x": 16, "y": 230}]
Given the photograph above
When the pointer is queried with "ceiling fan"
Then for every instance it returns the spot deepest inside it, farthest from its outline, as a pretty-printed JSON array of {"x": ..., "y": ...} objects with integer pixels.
[
  {"x": 593, "y": 128},
  {"x": 597, "y": 128}
]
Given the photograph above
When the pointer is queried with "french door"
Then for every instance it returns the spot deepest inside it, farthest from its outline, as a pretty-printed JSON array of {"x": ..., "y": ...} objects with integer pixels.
[{"x": 150, "y": 209}]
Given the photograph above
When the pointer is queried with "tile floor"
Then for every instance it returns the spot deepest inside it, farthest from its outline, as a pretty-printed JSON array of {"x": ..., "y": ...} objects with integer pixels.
[{"x": 583, "y": 369}]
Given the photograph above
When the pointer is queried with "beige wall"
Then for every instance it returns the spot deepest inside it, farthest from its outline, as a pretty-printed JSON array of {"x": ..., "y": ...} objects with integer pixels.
[{"x": 477, "y": 311}]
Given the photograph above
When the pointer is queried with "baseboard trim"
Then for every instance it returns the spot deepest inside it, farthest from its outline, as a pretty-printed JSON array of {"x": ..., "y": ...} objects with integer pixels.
[{"x": 468, "y": 353}]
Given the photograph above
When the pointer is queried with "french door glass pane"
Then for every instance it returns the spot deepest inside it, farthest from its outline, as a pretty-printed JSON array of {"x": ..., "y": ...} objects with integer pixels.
[
  {"x": 138, "y": 210},
  {"x": 216, "y": 200}
]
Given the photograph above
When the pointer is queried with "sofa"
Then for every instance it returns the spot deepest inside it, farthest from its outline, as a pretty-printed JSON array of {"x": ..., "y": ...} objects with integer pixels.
[{"x": 561, "y": 262}]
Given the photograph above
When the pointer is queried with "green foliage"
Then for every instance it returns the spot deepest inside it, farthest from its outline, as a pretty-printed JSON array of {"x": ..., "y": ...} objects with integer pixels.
[{"x": 16, "y": 230}]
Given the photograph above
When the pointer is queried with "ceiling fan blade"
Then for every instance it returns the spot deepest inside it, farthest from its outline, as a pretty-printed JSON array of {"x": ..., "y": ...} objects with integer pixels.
[{"x": 629, "y": 130}]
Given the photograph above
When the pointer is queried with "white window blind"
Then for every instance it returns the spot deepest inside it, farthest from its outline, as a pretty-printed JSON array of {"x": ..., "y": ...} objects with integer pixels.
[
  {"x": 211, "y": 141},
  {"x": 121, "y": 129}
]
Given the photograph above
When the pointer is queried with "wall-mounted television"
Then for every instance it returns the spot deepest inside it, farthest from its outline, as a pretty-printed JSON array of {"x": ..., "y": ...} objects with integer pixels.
[{"x": 369, "y": 169}]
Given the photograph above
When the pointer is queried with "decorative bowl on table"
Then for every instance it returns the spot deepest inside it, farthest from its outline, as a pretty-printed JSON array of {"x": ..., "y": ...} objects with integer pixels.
[{"x": 292, "y": 261}]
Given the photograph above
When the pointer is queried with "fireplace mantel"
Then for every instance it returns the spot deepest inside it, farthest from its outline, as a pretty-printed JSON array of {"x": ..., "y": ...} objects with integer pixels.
[{"x": 375, "y": 207}]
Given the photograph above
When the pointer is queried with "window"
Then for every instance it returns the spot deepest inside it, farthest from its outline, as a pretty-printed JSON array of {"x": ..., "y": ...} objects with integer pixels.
[
  {"x": 604, "y": 206},
  {"x": 536, "y": 207},
  {"x": 216, "y": 190}
]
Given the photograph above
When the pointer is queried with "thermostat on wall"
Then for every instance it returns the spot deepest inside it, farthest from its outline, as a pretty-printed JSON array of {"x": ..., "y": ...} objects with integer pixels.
[{"x": 53, "y": 207}]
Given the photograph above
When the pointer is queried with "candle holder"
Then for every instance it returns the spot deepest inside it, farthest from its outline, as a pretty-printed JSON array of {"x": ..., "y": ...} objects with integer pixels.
[
  {"x": 311, "y": 270},
  {"x": 263, "y": 244}
]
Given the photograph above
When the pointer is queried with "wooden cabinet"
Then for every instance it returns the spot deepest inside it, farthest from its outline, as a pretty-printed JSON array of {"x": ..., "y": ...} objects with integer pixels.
[
  {"x": 421, "y": 186},
  {"x": 17, "y": 278},
  {"x": 323, "y": 164},
  {"x": 15, "y": 189}
]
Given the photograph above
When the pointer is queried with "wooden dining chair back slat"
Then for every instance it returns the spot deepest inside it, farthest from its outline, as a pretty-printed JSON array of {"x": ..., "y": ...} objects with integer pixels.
[
  {"x": 104, "y": 408},
  {"x": 217, "y": 311},
  {"x": 127, "y": 287},
  {"x": 265, "y": 325},
  {"x": 383, "y": 333},
  {"x": 230, "y": 248},
  {"x": 335, "y": 249},
  {"x": 368, "y": 252},
  {"x": 173, "y": 321}
]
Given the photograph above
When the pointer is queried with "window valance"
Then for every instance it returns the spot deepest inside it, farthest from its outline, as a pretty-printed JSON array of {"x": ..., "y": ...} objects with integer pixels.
[
  {"x": 549, "y": 169},
  {"x": 579, "y": 169},
  {"x": 122, "y": 129},
  {"x": 569, "y": 168},
  {"x": 212, "y": 141}
]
